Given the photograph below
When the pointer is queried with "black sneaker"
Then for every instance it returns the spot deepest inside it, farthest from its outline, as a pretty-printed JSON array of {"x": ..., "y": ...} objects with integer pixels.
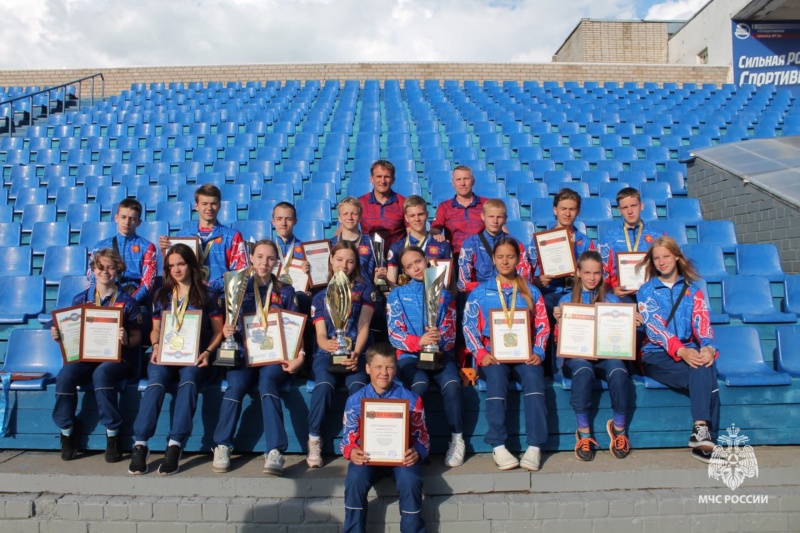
[
  {"x": 702, "y": 454},
  {"x": 113, "y": 449},
  {"x": 69, "y": 444},
  {"x": 620, "y": 446},
  {"x": 139, "y": 457},
  {"x": 172, "y": 458},
  {"x": 583, "y": 447},
  {"x": 701, "y": 436}
]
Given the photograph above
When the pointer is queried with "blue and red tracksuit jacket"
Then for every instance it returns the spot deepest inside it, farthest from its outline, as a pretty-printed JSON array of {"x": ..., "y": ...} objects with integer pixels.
[
  {"x": 406, "y": 317},
  {"x": 433, "y": 250},
  {"x": 476, "y": 318},
  {"x": 141, "y": 266},
  {"x": 131, "y": 317},
  {"x": 475, "y": 264},
  {"x": 418, "y": 431},
  {"x": 365, "y": 255},
  {"x": 613, "y": 241},
  {"x": 228, "y": 252},
  {"x": 580, "y": 243},
  {"x": 362, "y": 293},
  {"x": 691, "y": 325}
]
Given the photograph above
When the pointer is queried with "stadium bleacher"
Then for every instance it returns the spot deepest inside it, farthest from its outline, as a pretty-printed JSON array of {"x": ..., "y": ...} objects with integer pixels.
[{"x": 312, "y": 143}]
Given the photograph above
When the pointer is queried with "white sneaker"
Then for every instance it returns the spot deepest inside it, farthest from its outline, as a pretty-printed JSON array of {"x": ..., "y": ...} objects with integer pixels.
[
  {"x": 222, "y": 458},
  {"x": 455, "y": 452},
  {"x": 504, "y": 460},
  {"x": 532, "y": 459},
  {"x": 273, "y": 463},
  {"x": 314, "y": 459}
]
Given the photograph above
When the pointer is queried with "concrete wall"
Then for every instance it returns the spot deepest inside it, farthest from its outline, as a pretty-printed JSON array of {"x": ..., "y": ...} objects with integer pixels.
[
  {"x": 602, "y": 41},
  {"x": 759, "y": 217},
  {"x": 117, "y": 79},
  {"x": 709, "y": 28}
]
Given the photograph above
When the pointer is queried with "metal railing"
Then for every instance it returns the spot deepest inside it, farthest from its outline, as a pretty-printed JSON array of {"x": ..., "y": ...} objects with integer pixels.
[{"x": 46, "y": 91}]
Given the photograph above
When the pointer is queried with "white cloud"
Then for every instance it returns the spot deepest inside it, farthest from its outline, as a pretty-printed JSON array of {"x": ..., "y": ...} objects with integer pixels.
[
  {"x": 674, "y": 9},
  {"x": 112, "y": 33}
]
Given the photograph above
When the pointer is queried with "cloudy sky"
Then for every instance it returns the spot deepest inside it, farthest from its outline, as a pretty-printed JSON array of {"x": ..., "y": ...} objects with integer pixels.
[{"x": 119, "y": 33}]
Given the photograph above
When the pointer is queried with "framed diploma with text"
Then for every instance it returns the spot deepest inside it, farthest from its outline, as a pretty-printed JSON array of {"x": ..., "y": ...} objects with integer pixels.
[
  {"x": 448, "y": 264},
  {"x": 69, "y": 323},
  {"x": 317, "y": 254},
  {"x": 264, "y": 343},
  {"x": 384, "y": 430},
  {"x": 300, "y": 279},
  {"x": 510, "y": 338},
  {"x": 293, "y": 326},
  {"x": 576, "y": 331},
  {"x": 191, "y": 242},
  {"x": 555, "y": 252},
  {"x": 180, "y": 345},
  {"x": 616, "y": 331},
  {"x": 630, "y": 279},
  {"x": 100, "y": 334}
]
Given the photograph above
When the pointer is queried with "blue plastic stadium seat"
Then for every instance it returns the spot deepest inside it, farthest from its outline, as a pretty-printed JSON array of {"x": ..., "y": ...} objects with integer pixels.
[
  {"x": 77, "y": 214},
  {"x": 595, "y": 179},
  {"x": 60, "y": 261},
  {"x": 791, "y": 291},
  {"x": 686, "y": 210},
  {"x": 315, "y": 210},
  {"x": 787, "y": 356},
  {"x": 47, "y": 234},
  {"x": 357, "y": 188},
  {"x": 719, "y": 232},
  {"x": 660, "y": 192},
  {"x": 21, "y": 297},
  {"x": 92, "y": 232},
  {"x": 10, "y": 233},
  {"x": 749, "y": 298},
  {"x": 716, "y": 318},
  {"x": 542, "y": 211},
  {"x": 228, "y": 213},
  {"x": 490, "y": 190},
  {"x": 522, "y": 230},
  {"x": 595, "y": 210},
  {"x": 30, "y": 197},
  {"x": 741, "y": 361},
  {"x": 176, "y": 213},
  {"x": 15, "y": 260},
  {"x": 261, "y": 209},
  {"x": 754, "y": 260},
  {"x": 708, "y": 259},
  {"x": 32, "y": 350},
  {"x": 675, "y": 179},
  {"x": 673, "y": 228},
  {"x": 254, "y": 230},
  {"x": 321, "y": 191},
  {"x": 109, "y": 196},
  {"x": 312, "y": 230}
]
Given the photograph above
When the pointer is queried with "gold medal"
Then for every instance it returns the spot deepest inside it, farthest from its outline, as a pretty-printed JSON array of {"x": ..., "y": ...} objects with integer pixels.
[
  {"x": 176, "y": 342},
  {"x": 639, "y": 231},
  {"x": 267, "y": 344},
  {"x": 510, "y": 340},
  {"x": 285, "y": 279}
]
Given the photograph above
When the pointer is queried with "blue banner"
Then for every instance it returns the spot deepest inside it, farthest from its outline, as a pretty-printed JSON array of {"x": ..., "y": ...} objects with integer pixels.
[{"x": 766, "y": 52}]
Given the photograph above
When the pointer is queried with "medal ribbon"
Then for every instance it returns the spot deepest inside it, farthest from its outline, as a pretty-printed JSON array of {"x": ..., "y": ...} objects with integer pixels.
[
  {"x": 638, "y": 236},
  {"x": 286, "y": 262},
  {"x": 262, "y": 309},
  {"x": 207, "y": 248},
  {"x": 422, "y": 245},
  {"x": 113, "y": 298},
  {"x": 508, "y": 314},
  {"x": 178, "y": 311}
]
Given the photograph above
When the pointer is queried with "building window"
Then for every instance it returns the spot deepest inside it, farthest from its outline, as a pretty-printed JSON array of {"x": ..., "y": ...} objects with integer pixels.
[{"x": 702, "y": 57}]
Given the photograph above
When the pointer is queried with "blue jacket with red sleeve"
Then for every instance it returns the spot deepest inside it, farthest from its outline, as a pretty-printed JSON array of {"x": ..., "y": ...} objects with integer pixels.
[
  {"x": 141, "y": 267},
  {"x": 613, "y": 242},
  {"x": 405, "y": 314},
  {"x": 418, "y": 431},
  {"x": 475, "y": 264},
  {"x": 227, "y": 251},
  {"x": 690, "y": 326},
  {"x": 476, "y": 317},
  {"x": 433, "y": 249},
  {"x": 580, "y": 243},
  {"x": 366, "y": 255}
]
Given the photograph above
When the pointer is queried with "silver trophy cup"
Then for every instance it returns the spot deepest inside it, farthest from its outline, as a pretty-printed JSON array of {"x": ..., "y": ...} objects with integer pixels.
[
  {"x": 235, "y": 286},
  {"x": 379, "y": 248},
  {"x": 434, "y": 284}
]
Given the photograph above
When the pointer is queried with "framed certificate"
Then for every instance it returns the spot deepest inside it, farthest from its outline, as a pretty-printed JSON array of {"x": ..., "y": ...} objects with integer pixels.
[
  {"x": 180, "y": 347},
  {"x": 384, "y": 430},
  {"x": 69, "y": 322},
  {"x": 448, "y": 264},
  {"x": 510, "y": 344},
  {"x": 300, "y": 279},
  {"x": 191, "y": 242},
  {"x": 555, "y": 251},
  {"x": 576, "y": 331},
  {"x": 100, "y": 334},
  {"x": 294, "y": 324},
  {"x": 629, "y": 278},
  {"x": 616, "y": 331},
  {"x": 317, "y": 254},
  {"x": 264, "y": 346}
]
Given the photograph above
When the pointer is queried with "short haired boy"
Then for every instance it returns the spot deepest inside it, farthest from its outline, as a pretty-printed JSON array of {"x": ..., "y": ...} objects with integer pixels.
[
  {"x": 284, "y": 219},
  {"x": 415, "y": 210},
  {"x": 361, "y": 476},
  {"x": 475, "y": 264},
  {"x": 349, "y": 221},
  {"x": 138, "y": 254},
  {"x": 633, "y": 235},
  {"x": 222, "y": 249}
]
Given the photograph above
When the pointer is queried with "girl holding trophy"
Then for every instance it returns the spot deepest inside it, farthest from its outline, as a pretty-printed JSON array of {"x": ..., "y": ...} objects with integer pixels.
[
  {"x": 341, "y": 314},
  {"x": 264, "y": 291},
  {"x": 422, "y": 324},
  {"x": 183, "y": 291},
  {"x": 506, "y": 330}
]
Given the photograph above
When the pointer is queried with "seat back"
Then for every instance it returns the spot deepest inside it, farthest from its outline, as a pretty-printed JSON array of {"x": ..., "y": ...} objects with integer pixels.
[
  {"x": 33, "y": 350},
  {"x": 15, "y": 260},
  {"x": 757, "y": 260},
  {"x": 708, "y": 259},
  {"x": 787, "y": 356},
  {"x": 719, "y": 232},
  {"x": 20, "y": 297},
  {"x": 60, "y": 261}
]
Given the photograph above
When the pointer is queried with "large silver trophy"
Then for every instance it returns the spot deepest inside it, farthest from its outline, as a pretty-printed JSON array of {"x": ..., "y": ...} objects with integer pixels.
[
  {"x": 379, "y": 249},
  {"x": 434, "y": 283},
  {"x": 339, "y": 301},
  {"x": 235, "y": 287}
]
